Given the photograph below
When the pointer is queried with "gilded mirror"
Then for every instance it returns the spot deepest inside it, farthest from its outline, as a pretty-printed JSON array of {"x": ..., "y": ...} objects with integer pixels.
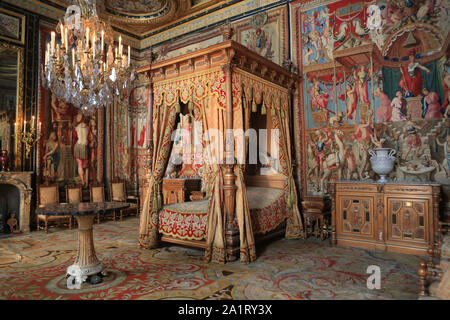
[{"x": 11, "y": 101}]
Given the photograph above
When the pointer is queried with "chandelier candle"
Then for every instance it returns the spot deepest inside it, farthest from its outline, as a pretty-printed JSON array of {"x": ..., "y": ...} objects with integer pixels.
[
  {"x": 65, "y": 40},
  {"x": 103, "y": 34},
  {"x": 86, "y": 77},
  {"x": 53, "y": 42},
  {"x": 93, "y": 45},
  {"x": 62, "y": 35}
]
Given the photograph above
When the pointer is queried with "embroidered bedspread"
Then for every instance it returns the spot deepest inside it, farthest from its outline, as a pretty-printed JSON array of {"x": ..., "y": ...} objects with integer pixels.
[{"x": 188, "y": 220}]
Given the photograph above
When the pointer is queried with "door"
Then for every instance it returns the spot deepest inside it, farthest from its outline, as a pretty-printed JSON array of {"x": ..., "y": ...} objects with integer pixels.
[
  {"x": 407, "y": 220},
  {"x": 355, "y": 217}
]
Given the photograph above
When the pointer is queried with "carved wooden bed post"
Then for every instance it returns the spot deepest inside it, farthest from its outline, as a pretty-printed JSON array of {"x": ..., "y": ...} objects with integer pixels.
[
  {"x": 229, "y": 186},
  {"x": 150, "y": 115}
]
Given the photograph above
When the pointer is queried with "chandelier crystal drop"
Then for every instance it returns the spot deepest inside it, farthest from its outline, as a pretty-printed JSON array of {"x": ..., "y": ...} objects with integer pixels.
[{"x": 85, "y": 68}]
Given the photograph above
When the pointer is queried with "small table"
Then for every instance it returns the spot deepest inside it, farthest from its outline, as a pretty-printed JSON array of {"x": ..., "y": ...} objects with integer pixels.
[
  {"x": 316, "y": 211},
  {"x": 86, "y": 263}
]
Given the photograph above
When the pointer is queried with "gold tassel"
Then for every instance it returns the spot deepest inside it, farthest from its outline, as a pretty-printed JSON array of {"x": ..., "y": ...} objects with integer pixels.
[
  {"x": 254, "y": 107},
  {"x": 191, "y": 103},
  {"x": 263, "y": 108},
  {"x": 159, "y": 201},
  {"x": 273, "y": 111},
  {"x": 155, "y": 203},
  {"x": 289, "y": 201},
  {"x": 177, "y": 103}
]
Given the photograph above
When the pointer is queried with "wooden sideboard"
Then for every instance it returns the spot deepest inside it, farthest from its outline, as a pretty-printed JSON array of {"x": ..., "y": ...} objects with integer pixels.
[
  {"x": 398, "y": 217},
  {"x": 178, "y": 189}
]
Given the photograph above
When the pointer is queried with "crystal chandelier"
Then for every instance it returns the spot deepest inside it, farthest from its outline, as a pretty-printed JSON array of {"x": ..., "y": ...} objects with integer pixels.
[{"x": 85, "y": 68}]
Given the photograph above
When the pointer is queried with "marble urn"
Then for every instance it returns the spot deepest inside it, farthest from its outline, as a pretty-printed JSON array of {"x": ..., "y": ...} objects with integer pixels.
[{"x": 382, "y": 160}]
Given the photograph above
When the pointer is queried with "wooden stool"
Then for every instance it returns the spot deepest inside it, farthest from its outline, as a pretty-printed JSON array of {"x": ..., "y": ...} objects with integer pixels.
[{"x": 316, "y": 210}]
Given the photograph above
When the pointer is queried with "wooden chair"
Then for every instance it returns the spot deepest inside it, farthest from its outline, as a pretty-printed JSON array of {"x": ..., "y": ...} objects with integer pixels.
[
  {"x": 97, "y": 193},
  {"x": 49, "y": 194},
  {"x": 74, "y": 194},
  {"x": 118, "y": 192}
]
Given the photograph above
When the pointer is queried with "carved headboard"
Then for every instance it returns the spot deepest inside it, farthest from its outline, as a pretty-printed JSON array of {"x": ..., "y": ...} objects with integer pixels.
[{"x": 277, "y": 181}]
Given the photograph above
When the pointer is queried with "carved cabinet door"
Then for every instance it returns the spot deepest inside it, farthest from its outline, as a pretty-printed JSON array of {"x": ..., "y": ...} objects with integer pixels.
[
  {"x": 356, "y": 216},
  {"x": 407, "y": 220}
]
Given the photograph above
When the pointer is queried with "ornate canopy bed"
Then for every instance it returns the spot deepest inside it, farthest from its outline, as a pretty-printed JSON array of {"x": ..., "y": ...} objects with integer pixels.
[{"x": 224, "y": 86}]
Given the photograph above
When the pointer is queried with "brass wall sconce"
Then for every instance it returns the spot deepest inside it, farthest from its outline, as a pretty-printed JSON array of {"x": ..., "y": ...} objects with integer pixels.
[{"x": 28, "y": 137}]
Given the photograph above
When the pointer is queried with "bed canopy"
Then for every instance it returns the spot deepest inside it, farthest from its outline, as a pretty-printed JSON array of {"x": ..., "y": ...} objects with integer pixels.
[{"x": 222, "y": 85}]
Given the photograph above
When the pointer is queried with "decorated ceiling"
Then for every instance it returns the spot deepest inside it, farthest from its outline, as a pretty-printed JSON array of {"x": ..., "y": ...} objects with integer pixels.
[{"x": 142, "y": 17}]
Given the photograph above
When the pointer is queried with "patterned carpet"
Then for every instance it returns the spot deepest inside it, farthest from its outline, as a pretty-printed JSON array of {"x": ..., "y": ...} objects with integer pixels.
[{"x": 32, "y": 266}]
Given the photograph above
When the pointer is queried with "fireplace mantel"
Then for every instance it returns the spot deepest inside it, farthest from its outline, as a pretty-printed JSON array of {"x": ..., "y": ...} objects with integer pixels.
[{"x": 21, "y": 180}]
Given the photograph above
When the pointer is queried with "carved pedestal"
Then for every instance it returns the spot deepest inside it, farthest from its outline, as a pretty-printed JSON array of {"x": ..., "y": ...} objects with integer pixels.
[{"x": 86, "y": 262}]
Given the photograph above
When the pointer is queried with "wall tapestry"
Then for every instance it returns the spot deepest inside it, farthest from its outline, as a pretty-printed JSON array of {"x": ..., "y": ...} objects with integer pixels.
[
  {"x": 131, "y": 134},
  {"x": 265, "y": 33},
  {"x": 369, "y": 84}
]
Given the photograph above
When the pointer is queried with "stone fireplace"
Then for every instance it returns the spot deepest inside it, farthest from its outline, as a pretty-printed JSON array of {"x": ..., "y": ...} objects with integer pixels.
[{"x": 22, "y": 181}]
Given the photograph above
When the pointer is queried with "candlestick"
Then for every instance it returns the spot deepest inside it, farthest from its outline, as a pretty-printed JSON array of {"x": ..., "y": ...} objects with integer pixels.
[
  {"x": 49, "y": 52},
  {"x": 62, "y": 35},
  {"x": 24, "y": 126},
  {"x": 87, "y": 39},
  {"x": 120, "y": 45},
  {"x": 40, "y": 125},
  {"x": 128, "y": 55},
  {"x": 93, "y": 45},
  {"x": 32, "y": 122},
  {"x": 57, "y": 52},
  {"x": 73, "y": 57},
  {"x": 67, "y": 41}
]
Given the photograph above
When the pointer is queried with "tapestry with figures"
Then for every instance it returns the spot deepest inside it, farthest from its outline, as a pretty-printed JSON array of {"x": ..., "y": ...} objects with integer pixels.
[{"x": 376, "y": 74}]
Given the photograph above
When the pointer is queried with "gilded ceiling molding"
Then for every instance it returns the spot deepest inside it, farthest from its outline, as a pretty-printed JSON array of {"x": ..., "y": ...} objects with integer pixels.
[
  {"x": 38, "y": 7},
  {"x": 206, "y": 20}
]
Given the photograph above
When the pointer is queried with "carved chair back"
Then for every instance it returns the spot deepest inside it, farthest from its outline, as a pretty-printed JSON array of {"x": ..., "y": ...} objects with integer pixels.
[
  {"x": 48, "y": 194},
  {"x": 97, "y": 192},
  {"x": 118, "y": 190},
  {"x": 74, "y": 194}
]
